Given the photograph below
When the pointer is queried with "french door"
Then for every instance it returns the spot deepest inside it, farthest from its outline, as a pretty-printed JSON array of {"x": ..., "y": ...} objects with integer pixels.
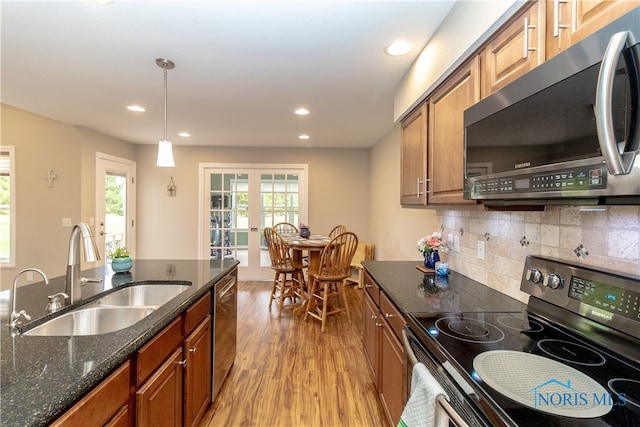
[
  {"x": 238, "y": 202},
  {"x": 115, "y": 204}
]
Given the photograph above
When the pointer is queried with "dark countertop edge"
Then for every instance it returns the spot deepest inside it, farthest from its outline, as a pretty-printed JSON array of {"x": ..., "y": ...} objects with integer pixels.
[
  {"x": 374, "y": 268},
  {"x": 81, "y": 386}
]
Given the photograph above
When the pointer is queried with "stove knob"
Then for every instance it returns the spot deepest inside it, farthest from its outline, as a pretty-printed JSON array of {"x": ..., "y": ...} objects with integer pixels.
[
  {"x": 534, "y": 275},
  {"x": 553, "y": 281}
]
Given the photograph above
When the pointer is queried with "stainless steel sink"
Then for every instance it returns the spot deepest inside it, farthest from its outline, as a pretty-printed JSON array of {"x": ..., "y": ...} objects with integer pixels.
[
  {"x": 112, "y": 312},
  {"x": 91, "y": 321},
  {"x": 142, "y": 296}
]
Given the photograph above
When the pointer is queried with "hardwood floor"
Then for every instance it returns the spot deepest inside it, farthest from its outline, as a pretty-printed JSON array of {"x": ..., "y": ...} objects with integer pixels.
[{"x": 288, "y": 373}]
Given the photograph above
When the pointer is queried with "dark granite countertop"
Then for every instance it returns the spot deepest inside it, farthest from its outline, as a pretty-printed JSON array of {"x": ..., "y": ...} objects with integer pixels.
[
  {"x": 42, "y": 376},
  {"x": 413, "y": 291}
]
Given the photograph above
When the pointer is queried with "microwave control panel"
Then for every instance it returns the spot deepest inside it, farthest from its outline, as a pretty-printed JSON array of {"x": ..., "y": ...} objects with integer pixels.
[{"x": 593, "y": 177}]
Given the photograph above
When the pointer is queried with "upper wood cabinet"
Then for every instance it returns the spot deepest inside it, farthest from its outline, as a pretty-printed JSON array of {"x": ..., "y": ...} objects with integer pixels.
[
  {"x": 515, "y": 49},
  {"x": 569, "y": 21},
  {"x": 446, "y": 133},
  {"x": 413, "y": 158}
]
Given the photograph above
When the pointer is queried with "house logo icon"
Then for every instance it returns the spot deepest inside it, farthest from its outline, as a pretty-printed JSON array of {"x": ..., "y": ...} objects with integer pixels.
[{"x": 558, "y": 388}]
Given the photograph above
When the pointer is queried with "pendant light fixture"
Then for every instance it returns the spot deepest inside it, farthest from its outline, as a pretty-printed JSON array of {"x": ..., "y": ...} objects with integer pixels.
[{"x": 165, "y": 148}]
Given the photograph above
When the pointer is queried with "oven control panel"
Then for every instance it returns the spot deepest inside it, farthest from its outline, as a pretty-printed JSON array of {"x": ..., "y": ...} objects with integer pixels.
[{"x": 605, "y": 297}]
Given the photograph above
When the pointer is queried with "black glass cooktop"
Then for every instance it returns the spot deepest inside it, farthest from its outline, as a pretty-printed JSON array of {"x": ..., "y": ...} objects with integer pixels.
[{"x": 460, "y": 337}]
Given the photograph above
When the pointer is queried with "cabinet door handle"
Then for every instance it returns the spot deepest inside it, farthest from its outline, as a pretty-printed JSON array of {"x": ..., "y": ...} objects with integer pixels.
[
  {"x": 557, "y": 26},
  {"x": 379, "y": 325},
  {"x": 193, "y": 350},
  {"x": 527, "y": 27},
  {"x": 374, "y": 317},
  {"x": 388, "y": 315},
  {"x": 366, "y": 285},
  {"x": 183, "y": 363}
]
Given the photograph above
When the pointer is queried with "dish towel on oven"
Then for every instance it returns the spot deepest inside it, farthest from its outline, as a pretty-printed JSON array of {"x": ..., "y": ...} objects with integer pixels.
[{"x": 420, "y": 409}]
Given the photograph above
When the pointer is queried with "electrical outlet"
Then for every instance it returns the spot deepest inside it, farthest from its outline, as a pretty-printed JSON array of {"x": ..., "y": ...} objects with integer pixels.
[
  {"x": 480, "y": 249},
  {"x": 66, "y": 222},
  {"x": 456, "y": 243}
]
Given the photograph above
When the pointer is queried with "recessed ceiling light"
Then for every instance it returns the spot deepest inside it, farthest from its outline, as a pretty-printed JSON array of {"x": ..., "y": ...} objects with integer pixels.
[
  {"x": 301, "y": 111},
  {"x": 135, "y": 108},
  {"x": 304, "y": 137},
  {"x": 184, "y": 134},
  {"x": 398, "y": 48}
]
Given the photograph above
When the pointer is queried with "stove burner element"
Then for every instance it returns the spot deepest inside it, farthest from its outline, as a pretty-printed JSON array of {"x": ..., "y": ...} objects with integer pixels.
[
  {"x": 520, "y": 324},
  {"x": 469, "y": 330},
  {"x": 571, "y": 352},
  {"x": 629, "y": 389}
]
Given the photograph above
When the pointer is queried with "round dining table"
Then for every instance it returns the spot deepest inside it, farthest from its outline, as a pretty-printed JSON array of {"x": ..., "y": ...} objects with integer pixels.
[{"x": 313, "y": 245}]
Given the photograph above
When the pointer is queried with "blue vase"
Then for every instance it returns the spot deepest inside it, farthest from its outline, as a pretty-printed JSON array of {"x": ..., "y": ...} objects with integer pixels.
[
  {"x": 121, "y": 264},
  {"x": 305, "y": 233},
  {"x": 430, "y": 259}
]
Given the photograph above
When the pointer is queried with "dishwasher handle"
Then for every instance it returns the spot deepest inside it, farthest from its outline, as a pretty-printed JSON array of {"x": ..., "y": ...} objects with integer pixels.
[{"x": 226, "y": 288}]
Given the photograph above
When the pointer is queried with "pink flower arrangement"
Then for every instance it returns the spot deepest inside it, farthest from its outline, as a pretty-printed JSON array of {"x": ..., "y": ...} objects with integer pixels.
[{"x": 433, "y": 243}]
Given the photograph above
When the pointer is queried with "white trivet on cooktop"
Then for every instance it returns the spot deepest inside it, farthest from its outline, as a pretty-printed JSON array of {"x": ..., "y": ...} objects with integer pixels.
[{"x": 542, "y": 384}]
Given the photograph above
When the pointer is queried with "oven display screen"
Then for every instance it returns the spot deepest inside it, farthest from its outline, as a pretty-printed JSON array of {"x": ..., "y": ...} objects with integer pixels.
[{"x": 606, "y": 297}]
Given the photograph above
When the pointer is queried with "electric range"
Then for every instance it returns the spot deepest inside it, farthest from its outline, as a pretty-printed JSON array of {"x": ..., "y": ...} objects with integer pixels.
[{"x": 571, "y": 359}]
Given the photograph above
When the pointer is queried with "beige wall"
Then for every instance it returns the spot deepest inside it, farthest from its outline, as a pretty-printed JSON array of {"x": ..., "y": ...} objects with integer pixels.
[
  {"x": 610, "y": 236},
  {"x": 41, "y": 145},
  {"x": 166, "y": 226},
  {"x": 338, "y": 192}
]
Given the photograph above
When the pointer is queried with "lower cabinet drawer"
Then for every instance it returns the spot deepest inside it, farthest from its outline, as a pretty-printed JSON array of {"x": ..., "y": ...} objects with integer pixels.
[
  {"x": 153, "y": 353},
  {"x": 103, "y": 403}
]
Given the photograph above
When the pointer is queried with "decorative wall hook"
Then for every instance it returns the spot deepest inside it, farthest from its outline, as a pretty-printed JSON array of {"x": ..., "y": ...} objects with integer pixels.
[
  {"x": 50, "y": 177},
  {"x": 171, "y": 188}
]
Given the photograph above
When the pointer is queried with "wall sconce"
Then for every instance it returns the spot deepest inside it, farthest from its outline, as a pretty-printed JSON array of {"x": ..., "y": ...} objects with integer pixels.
[
  {"x": 50, "y": 177},
  {"x": 171, "y": 188}
]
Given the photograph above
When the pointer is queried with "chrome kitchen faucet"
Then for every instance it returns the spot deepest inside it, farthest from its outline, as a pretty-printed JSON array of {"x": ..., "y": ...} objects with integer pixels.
[{"x": 73, "y": 286}]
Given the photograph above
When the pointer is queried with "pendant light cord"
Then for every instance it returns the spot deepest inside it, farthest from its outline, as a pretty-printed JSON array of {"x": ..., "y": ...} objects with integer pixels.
[{"x": 164, "y": 70}]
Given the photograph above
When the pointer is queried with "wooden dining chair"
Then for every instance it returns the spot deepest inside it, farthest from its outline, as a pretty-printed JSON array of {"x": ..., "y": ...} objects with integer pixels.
[
  {"x": 326, "y": 286},
  {"x": 338, "y": 229},
  {"x": 365, "y": 252},
  {"x": 286, "y": 228},
  {"x": 288, "y": 281}
]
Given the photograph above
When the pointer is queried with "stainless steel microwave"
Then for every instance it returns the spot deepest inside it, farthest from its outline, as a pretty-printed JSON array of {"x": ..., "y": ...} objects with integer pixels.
[{"x": 567, "y": 132}]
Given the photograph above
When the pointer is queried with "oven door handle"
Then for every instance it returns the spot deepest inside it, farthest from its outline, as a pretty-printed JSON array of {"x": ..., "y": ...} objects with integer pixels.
[
  {"x": 617, "y": 163},
  {"x": 444, "y": 408},
  {"x": 407, "y": 348}
]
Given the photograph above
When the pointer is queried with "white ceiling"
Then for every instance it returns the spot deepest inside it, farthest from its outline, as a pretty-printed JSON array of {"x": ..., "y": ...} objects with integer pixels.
[{"x": 241, "y": 67}]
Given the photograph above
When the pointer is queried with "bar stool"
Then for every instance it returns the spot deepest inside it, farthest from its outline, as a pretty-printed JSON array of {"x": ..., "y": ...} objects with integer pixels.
[
  {"x": 288, "y": 282},
  {"x": 326, "y": 286}
]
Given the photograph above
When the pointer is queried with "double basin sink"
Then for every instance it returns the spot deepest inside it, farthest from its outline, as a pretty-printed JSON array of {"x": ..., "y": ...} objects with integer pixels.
[{"x": 112, "y": 312}]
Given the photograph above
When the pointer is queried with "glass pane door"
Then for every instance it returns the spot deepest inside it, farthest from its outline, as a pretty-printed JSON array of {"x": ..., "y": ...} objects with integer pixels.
[
  {"x": 279, "y": 202},
  {"x": 240, "y": 202},
  {"x": 229, "y": 217}
]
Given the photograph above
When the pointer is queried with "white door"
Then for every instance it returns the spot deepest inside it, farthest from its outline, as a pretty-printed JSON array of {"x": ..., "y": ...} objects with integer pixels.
[
  {"x": 115, "y": 204},
  {"x": 238, "y": 202}
]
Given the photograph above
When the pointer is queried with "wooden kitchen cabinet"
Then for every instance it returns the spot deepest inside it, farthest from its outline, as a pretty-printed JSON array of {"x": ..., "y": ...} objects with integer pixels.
[
  {"x": 197, "y": 371},
  {"x": 382, "y": 326},
  {"x": 515, "y": 49},
  {"x": 569, "y": 21},
  {"x": 174, "y": 372},
  {"x": 446, "y": 133},
  {"x": 106, "y": 404},
  {"x": 159, "y": 400},
  {"x": 413, "y": 158}
]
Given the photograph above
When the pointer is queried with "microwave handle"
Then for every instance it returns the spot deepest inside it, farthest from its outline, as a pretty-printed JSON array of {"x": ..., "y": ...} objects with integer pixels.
[{"x": 617, "y": 163}]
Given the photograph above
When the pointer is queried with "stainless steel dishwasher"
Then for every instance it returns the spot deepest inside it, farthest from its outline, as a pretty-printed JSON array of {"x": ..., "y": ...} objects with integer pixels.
[{"x": 225, "y": 314}]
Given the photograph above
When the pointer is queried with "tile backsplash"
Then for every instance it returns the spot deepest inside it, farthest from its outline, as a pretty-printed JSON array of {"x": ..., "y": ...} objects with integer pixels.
[{"x": 604, "y": 237}]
